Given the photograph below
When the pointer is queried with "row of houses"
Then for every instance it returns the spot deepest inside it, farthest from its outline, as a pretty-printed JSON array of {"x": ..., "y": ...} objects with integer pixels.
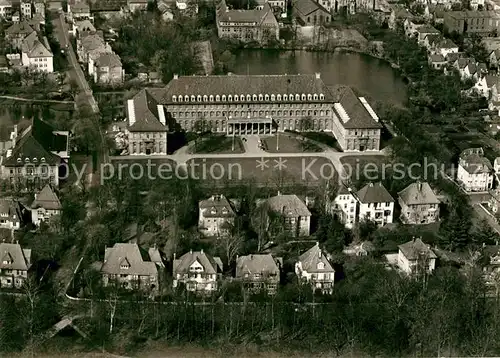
[
  {"x": 22, "y": 10},
  {"x": 101, "y": 62}
]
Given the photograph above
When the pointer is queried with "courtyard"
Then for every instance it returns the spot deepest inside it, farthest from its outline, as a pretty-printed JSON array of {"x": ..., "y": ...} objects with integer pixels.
[
  {"x": 285, "y": 143},
  {"x": 217, "y": 144}
]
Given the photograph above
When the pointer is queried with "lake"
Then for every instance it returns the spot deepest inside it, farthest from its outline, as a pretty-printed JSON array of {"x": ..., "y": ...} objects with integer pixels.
[{"x": 367, "y": 74}]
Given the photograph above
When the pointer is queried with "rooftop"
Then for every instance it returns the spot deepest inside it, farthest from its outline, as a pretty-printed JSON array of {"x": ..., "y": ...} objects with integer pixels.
[
  {"x": 128, "y": 259},
  {"x": 312, "y": 257},
  {"x": 374, "y": 193},
  {"x": 288, "y": 206},
  {"x": 414, "y": 249},
  {"x": 255, "y": 16},
  {"x": 418, "y": 194},
  {"x": 306, "y": 7},
  {"x": 145, "y": 107},
  {"x": 258, "y": 263},
  {"x": 47, "y": 199},
  {"x": 211, "y": 265},
  {"x": 216, "y": 206},
  {"x": 358, "y": 113},
  {"x": 13, "y": 257}
]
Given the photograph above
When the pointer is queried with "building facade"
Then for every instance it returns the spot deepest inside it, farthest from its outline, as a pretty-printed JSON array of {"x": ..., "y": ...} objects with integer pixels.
[
  {"x": 314, "y": 268},
  {"x": 375, "y": 204},
  {"x": 10, "y": 214},
  {"x": 310, "y": 12},
  {"x": 108, "y": 69},
  {"x": 129, "y": 267},
  {"x": 35, "y": 156},
  {"x": 475, "y": 172},
  {"x": 478, "y": 22},
  {"x": 15, "y": 263},
  {"x": 37, "y": 54},
  {"x": 290, "y": 214},
  {"x": 197, "y": 272},
  {"x": 355, "y": 124},
  {"x": 257, "y": 25},
  {"x": 419, "y": 204},
  {"x": 346, "y": 205},
  {"x": 415, "y": 257},
  {"x": 216, "y": 216},
  {"x": 259, "y": 272},
  {"x": 45, "y": 206}
]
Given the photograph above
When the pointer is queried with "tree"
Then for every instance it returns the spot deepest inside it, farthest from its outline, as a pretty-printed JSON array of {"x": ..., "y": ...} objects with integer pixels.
[{"x": 230, "y": 241}]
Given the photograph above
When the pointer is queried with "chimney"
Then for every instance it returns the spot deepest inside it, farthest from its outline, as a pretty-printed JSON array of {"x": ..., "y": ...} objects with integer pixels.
[
  {"x": 131, "y": 112},
  {"x": 484, "y": 244},
  {"x": 201, "y": 251},
  {"x": 36, "y": 196},
  {"x": 279, "y": 193},
  {"x": 371, "y": 184},
  {"x": 319, "y": 253},
  {"x": 174, "y": 256},
  {"x": 318, "y": 75},
  {"x": 161, "y": 114},
  {"x": 419, "y": 185},
  {"x": 191, "y": 252},
  {"x": 176, "y": 76},
  {"x": 251, "y": 257}
]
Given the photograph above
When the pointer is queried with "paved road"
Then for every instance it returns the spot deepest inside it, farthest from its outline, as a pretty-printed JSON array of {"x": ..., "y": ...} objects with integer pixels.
[
  {"x": 61, "y": 29},
  {"x": 37, "y": 100},
  {"x": 485, "y": 214}
]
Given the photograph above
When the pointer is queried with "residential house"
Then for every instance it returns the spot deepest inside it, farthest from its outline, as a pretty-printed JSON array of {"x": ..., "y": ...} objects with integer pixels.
[
  {"x": 437, "y": 61},
  {"x": 37, "y": 22},
  {"x": 259, "y": 272},
  {"x": 281, "y": 5},
  {"x": 130, "y": 267},
  {"x": 345, "y": 206},
  {"x": 452, "y": 57},
  {"x": 78, "y": 11},
  {"x": 470, "y": 69},
  {"x": 430, "y": 41},
  {"x": 39, "y": 6},
  {"x": 137, "y": 5},
  {"x": 16, "y": 33},
  {"x": 310, "y": 12},
  {"x": 197, "y": 271},
  {"x": 36, "y": 53},
  {"x": 16, "y": 18},
  {"x": 10, "y": 214},
  {"x": 475, "y": 172},
  {"x": 398, "y": 16},
  {"x": 445, "y": 47},
  {"x": 361, "y": 249},
  {"x": 496, "y": 165},
  {"x": 487, "y": 86},
  {"x": 147, "y": 127},
  {"x": 314, "y": 268},
  {"x": 257, "y": 25},
  {"x": 415, "y": 257},
  {"x": 478, "y": 22},
  {"x": 108, "y": 69},
  {"x": 35, "y": 156},
  {"x": 45, "y": 206},
  {"x": 108, "y": 9},
  {"x": 25, "y": 7},
  {"x": 411, "y": 25},
  {"x": 437, "y": 12},
  {"x": 375, "y": 204},
  {"x": 494, "y": 58},
  {"x": 216, "y": 216},
  {"x": 5, "y": 9},
  {"x": 476, "y": 4},
  {"x": 83, "y": 28},
  {"x": 289, "y": 213},
  {"x": 87, "y": 44},
  {"x": 355, "y": 124},
  {"x": 491, "y": 266},
  {"x": 15, "y": 263},
  {"x": 494, "y": 201},
  {"x": 419, "y": 204},
  {"x": 425, "y": 30}
]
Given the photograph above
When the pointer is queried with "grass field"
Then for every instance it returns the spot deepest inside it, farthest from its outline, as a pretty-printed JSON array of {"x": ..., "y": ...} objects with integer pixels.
[
  {"x": 218, "y": 144},
  {"x": 368, "y": 164},
  {"x": 289, "y": 144}
]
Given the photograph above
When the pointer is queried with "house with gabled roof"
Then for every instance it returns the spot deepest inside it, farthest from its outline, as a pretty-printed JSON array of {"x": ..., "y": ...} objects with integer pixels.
[
  {"x": 288, "y": 213},
  {"x": 259, "y": 25},
  {"x": 398, "y": 16},
  {"x": 437, "y": 61},
  {"x": 259, "y": 272},
  {"x": 314, "y": 268},
  {"x": 216, "y": 215},
  {"x": 494, "y": 58},
  {"x": 311, "y": 12},
  {"x": 147, "y": 127},
  {"x": 131, "y": 267},
  {"x": 375, "y": 204},
  {"x": 107, "y": 69},
  {"x": 15, "y": 263},
  {"x": 36, "y": 53},
  {"x": 5, "y": 9},
  {"x": 487, "y": 86},
  {"x": 419, "y": 204},
  {"x": 345, "y": 206},
  {"x": 356, "y": 126},
  {"x": 197, "y": 271},
  {"x": 424, "y": 31},
  {"x": 16, "y": 33},
  {"x": 35, "y": 156},
  {"x": 475, "y": 172},
  {"x": 415, "y": 257},
  {"x": 78, "y": 11},
  {"x": 45, "y": 206},
  {"x": 11, "y": 214}
]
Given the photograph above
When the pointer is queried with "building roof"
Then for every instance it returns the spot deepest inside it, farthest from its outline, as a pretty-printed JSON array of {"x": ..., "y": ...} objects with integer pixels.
[
  {"x": 34, "y": 48},
  {"x": 108, "y": 59},
  {"x": 38, "y": 141},
  {"x": 11, "y": 208},
  {"x": 120, "y": 255},
  {"x": 374, "y": 193},
  {"x": 418, "y": 194},
  {"x": 427, "y": 29},
  {"x": 217, "y": 206},
  {"x": 447, "y": 43},
  {"x": 47, "y": 199},
  {"x": 146, "y": 111},
  {"x": 352, "y": 113},
  {"x": 232, "y": 84},
  {"x": 13, "y": 257},
  {"x": 492, "y": 80},
  {"x": 20, "y": 28},
  {"x": 92, "y": 42},
  {"x": 288, "y": 206},
  {"x": 463, "y": 62},
  {"x": 258, "y": 263},
  {"x": 85, "y": 25},
  {"x": 433, "y": 38},
  {"x": 453, "y": 56},
  {"x": 211, "y": 265},
  {"x": 306, "y": 7},
  {"x": 414, "y": 249},
  {"x": 474, "y": 161},
  {"x": 255, "y": 16},
  {"x": 437, "y": 58},
  {"x": 80, "y": 7},
  {"x": 108, "y": 5},
  {"x": 400, "y": 12},
  {"x": 312, "y": 257}
]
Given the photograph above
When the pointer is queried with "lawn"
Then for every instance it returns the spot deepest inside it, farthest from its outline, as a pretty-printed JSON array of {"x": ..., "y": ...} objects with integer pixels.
[
  {"x": 269, "y": 172},
  {"x": 323, "y": 137},
  {"x": 218, "y": 144},
  {"x": 288, "y": 144}
]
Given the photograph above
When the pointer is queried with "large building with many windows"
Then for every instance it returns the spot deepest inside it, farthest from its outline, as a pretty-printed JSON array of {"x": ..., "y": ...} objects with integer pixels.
[{"x": 254, "y": 104}]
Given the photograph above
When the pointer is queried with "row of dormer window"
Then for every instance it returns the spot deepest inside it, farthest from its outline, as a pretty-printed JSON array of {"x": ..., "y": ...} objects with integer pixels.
[
  {"x": 27, "y": 160},
  {"x": 242, "y": 98}
]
